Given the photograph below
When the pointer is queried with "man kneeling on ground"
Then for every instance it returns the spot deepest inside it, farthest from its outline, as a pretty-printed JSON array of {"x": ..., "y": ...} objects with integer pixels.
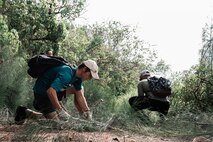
[
  {"x": 53, "y": 85},
  {"x": 146, "y": 99}
]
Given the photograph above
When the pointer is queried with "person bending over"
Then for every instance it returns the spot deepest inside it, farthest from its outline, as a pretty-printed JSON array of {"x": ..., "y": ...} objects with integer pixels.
[
  {"x": 53, "y": 85},
  {"x": 146, "y": 99}
]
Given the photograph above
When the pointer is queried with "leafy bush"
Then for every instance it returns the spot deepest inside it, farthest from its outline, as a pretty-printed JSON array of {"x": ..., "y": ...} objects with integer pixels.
[{"x": 14, "y": 88}]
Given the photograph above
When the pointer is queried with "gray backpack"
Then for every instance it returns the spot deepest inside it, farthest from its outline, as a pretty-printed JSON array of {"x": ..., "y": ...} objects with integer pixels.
[{"x": 160, "y": 86}]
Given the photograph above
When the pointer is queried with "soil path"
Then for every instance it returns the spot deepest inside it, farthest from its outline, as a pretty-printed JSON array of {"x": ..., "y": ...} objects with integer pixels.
[{"x": 12, "y": 133}]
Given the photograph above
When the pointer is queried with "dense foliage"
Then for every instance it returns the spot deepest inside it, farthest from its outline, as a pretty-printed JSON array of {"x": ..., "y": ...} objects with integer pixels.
[{"x": 29, "y": 27}]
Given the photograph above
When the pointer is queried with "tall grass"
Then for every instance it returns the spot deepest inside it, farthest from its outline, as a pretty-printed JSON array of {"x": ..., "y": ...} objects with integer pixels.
[
  {"x": 176, "y": 123},
  {"x": 115, "y": 112}
]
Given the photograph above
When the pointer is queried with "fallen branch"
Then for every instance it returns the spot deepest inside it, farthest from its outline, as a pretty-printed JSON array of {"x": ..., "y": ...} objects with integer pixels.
[
  {"x": 62, "y": 125},
  {"x": 204, "y": 124}
]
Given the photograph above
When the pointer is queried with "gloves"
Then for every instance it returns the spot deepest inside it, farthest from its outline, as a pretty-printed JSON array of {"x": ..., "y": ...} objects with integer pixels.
[
  {"x": 86, "y": 115},
  {"x": 63, "y": 115}
]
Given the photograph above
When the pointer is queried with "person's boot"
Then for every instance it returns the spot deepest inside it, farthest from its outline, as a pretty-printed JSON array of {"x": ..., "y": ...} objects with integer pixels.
[{"x": 20, "y": 115}]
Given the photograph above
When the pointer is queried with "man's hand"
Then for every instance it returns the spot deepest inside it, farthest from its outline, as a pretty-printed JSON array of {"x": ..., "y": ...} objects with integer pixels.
[
  {"x": 86, "y": 115},
  {"x": 63, "y": 115}
]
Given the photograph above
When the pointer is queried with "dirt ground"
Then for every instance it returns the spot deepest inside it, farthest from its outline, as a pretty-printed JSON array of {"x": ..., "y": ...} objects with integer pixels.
[{"x": 12, "y": 133}]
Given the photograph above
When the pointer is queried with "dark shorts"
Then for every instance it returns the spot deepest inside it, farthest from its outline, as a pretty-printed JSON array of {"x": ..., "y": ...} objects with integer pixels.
[
  {"x": 140, "y": 102},
  {"x": 42, "y": 102}
]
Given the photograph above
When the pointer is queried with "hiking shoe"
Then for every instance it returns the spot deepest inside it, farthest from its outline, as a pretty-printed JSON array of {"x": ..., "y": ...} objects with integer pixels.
[{"x": 20, "y": 115}]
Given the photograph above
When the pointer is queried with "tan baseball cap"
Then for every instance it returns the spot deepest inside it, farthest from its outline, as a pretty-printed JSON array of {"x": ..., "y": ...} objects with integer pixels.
[
  {"x": 92, "y": 65},
  {"x": 145, "y": 73}
]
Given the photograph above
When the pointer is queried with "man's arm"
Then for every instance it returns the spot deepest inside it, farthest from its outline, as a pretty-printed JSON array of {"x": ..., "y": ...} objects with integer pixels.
[
  {"x": 53, "y": 98},
  {"x": 140, "y": 89},
  {"x": 81, "y": 104},
  {"x": 63, "y": 115},
  {"x": 80, "y": 101}
]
